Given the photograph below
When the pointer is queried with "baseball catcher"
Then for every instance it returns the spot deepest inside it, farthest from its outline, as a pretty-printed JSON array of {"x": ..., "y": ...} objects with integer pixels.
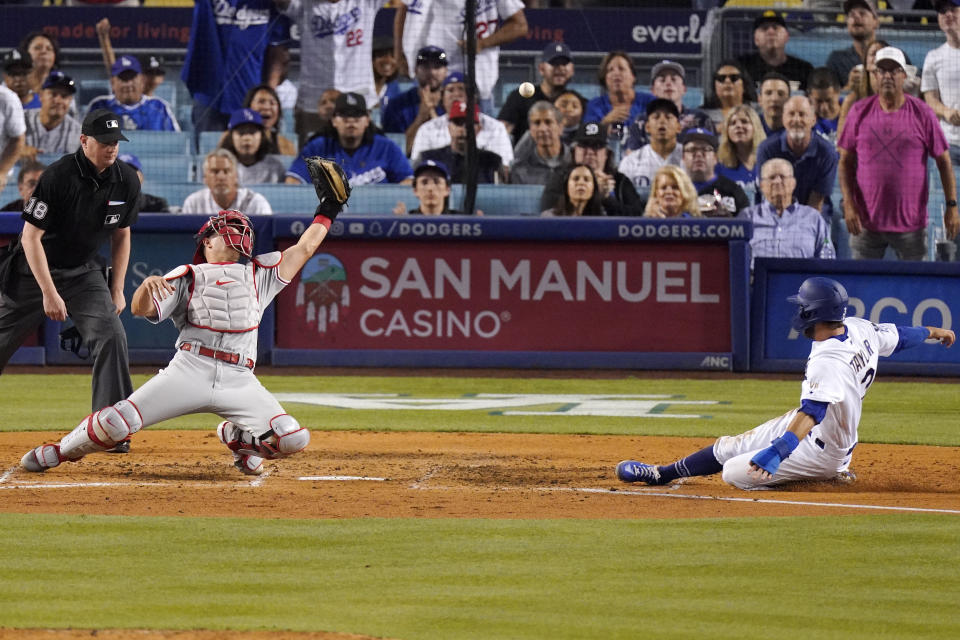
[
  {"x": 816, "y": 440},
  {"x": 216, "y": 302}
]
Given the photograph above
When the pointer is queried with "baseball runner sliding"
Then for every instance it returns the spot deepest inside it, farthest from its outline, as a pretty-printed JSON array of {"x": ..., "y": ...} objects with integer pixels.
[
  {"x": 816, "y": 440},
  {"x": 216, "y": 303}
]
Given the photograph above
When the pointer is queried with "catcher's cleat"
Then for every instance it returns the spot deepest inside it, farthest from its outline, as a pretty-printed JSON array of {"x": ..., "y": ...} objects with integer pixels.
[
  {"x": 122, "y": 447},
  {"x": 633, "y": 471},
  {"x": 46, "y": 456},
  {"x": 248, "y": 464},
  {"x": 846, "y": 477}
]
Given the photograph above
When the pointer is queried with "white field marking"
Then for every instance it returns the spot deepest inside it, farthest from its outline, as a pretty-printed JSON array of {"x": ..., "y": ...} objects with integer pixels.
[
  {"x": 429, "y": 474},
  {"x": 7, "y": 474},
  {"x": 341, "y": 478},
  {"x": 838, "y": 505},
  {"x": 71, "y": 485},
  {"x": 256, "y": 482}
]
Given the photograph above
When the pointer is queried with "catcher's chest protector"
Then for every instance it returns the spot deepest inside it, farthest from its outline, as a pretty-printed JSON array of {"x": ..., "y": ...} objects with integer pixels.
[{"x": 224, "y": 298}]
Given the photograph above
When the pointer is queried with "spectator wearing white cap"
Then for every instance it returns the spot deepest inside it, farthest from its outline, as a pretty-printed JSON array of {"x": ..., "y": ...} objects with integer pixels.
[
  {"x": 884, "y": 146},
  {"x": 134, "y": 109},
  {"x": 667, "y": 81},
  {"x": 556, "y": 70},
  {"x": 51, "y": 129},
  {"x": 941, "y": 75}
]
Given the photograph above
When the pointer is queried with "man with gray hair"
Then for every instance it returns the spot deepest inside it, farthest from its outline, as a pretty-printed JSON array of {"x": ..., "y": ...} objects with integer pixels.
[
  {"x": 542, "y": 152},
  {"x": 813, "y": 158},
  {"x": 782, "y": 227},
  {"x": 223, "y": 190}
]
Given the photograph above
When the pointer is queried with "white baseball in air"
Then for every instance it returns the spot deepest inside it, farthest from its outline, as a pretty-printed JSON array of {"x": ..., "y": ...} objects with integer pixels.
[{"x": 526, "y": 90}]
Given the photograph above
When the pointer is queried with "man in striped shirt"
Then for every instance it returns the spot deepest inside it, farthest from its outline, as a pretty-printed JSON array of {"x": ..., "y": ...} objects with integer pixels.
[
  {"x": 51, "y": 129},
  {"x": 782, "y": 227}
]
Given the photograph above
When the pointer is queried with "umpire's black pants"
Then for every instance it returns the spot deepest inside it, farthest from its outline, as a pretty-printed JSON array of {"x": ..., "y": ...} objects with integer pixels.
[{"x": 90, "y": 306}]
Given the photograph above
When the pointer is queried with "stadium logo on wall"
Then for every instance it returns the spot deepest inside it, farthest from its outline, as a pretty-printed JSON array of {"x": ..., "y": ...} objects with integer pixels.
[{"x": 323, "y": 295}]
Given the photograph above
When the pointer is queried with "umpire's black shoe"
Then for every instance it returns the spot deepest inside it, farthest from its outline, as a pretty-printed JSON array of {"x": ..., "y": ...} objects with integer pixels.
[{"x": 122, "y": 447}]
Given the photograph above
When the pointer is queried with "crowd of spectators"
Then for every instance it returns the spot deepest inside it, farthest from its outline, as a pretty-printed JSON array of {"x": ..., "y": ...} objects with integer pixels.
[{"x": 766, "y": 144}]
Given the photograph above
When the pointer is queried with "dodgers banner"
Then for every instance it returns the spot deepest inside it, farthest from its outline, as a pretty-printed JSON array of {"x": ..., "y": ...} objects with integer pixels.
[{"x": 905, "y": 294}]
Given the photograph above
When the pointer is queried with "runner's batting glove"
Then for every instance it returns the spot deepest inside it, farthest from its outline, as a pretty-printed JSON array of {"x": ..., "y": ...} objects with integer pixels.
[
  {"x": 769, "y": 459},
  {"x": 331, "y": 185}
]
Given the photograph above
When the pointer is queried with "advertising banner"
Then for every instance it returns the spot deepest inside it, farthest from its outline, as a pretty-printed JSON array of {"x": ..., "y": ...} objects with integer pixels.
[
  {"x": 651, "y": 31},
  {"x": 906, "y": 294},
  {"x": 509, "y": 297}
]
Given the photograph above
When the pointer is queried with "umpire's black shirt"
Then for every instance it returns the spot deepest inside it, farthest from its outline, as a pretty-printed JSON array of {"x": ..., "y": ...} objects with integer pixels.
[{"x": 79, "y": 209}]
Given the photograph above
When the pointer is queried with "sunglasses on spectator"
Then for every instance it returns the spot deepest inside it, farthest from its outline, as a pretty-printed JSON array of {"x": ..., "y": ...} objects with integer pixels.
[{"x": 723, "y": 77}]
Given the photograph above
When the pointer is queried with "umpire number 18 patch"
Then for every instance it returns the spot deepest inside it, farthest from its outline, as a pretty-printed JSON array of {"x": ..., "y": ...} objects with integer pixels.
[{"x": 36, "y": 208}]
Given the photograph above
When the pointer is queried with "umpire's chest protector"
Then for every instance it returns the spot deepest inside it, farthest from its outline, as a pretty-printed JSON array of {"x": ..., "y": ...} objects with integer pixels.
[{"x": 224, "y": 298}]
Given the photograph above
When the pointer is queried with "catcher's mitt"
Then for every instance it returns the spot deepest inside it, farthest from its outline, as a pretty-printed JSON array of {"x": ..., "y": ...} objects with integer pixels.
[{"x": 331, "y": 185}]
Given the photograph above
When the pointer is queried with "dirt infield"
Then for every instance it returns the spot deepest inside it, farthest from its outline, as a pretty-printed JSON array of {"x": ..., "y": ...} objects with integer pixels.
[{"x": 450, "y": 475}]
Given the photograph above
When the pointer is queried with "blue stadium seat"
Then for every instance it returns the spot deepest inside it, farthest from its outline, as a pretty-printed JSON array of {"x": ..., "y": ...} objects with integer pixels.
[
  {"x": 588, "y": 90},
  {"x": 380, "y": 199},
  {"x": 174, "y": 143},
  {"x": 815, "y": 46},
  {"x": 174, "y": 192},
  {"x": 208, "y": 141},
  {"x": 693, "y": 98},
  {"x": 287, "y": 198},
  {"x": 167, "y": 91},
  {"x": 87, "y": 91},
  {"x": 9, "y": 193},
  {"x": 399, "y": 139},
  {"x": 506, "y": 199},
  {"x": 167, "y": 168}
]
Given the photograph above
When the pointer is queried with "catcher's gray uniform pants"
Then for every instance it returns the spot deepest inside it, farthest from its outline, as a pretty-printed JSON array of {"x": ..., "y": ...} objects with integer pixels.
[
  {"x": 809, "y": 461},
  {"x": 90, "y": 306},
  {"x": 198, "y": 384}
]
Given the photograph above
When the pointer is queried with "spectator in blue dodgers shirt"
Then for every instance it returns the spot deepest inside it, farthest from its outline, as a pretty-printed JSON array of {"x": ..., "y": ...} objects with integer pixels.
[
  {"x": 770, "y": 37},
  {"x": 134, "y": 109},
  {"x": 813, "y": 158},
  {"x": 490, "y": 170},
  {"x": 667, "y": 82},
  {"x": 542, "y": 151},
  {"x": 782, "y": 227},
  {"x": 556, "y": 70},
  {"x": 223, "y": 189},
  {"x": 225, "y": 57},
  {"x": 431, "y": 186},
  {"x": 719, "y": 196},
  {"x": 421, "y": 102},
  {"x": 663, "y": 127},
  {"x": 737, "y": 153},
  {"x": 247, "y": 140},
  {"x": 148, "y": 203},
  {"x": 435, "y": 133},
  {"x": 51, "y": 129},
  {"x": 621, "y": 103},
  {"x": 823, "y": 89},
  {"x": 366, "y": 157},
  {"x": 774, "y": 92}
]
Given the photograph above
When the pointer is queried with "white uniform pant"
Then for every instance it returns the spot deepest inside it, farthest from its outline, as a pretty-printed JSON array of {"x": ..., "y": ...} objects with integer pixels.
[
  {"x": 198, "y": 384},
  {"x": 808, "y": 461}
]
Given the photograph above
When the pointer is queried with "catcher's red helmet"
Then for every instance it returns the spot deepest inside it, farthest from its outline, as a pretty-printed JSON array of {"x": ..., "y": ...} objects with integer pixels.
[{"x": 231, "y": 225}]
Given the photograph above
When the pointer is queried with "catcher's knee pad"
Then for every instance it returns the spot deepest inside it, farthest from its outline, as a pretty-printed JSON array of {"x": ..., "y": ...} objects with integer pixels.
[{"x": 288, "y": 437}]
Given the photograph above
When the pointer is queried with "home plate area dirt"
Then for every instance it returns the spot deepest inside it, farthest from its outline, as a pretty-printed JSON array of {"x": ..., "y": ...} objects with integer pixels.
[{"x": 450, "y": 475}]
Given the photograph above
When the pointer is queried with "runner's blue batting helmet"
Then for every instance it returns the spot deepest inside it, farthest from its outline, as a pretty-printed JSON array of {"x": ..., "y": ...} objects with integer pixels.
[{"x": 819, "y": 300}]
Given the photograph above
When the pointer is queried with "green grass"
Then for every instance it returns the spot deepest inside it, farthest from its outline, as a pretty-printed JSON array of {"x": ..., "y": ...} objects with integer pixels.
[
  {"x": 894, "y": 412},
  {"x": 842, "y": 577}
]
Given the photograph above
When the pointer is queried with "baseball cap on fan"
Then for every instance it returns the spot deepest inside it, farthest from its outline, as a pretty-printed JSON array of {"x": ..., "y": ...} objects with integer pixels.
[
  {"x": 869, "y": 5},
  {"x": 244, "y": 116},
  {"x": 768, "y": 17},
  {"x": 432, "y": 56},
  {"x": 432, "y": 165},
  {"x": 557, "y": 53},
  {"x": 890, "y": 53},
  {"x": 591, "y": 134},
  {"x": 667, "y": 65},
  {"x": 16, "y": 59},
  {"x": 153, "y": 66},
  {"x": 103, "y": 126},
  {"x": 350, "y": 105},
  {"x": 60, "y": 80},
  {"x": 125, "y": 63},
  {"x": 458, "y": 110}
]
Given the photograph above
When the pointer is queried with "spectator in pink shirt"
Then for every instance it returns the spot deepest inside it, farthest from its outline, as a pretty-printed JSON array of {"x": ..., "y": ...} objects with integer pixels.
[{"x": 883, "y": 167}]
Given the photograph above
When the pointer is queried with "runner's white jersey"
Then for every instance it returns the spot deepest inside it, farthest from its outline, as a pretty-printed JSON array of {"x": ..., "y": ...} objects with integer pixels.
[
  {"x": 839, "y": 372},
  {"x": 336, "y": 48},
  {"x": 265, "y": 283},
  {"x": 445, "y": 27}
]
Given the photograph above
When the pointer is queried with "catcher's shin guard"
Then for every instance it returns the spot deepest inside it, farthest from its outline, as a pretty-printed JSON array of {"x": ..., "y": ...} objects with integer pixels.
[
  {"x": 285, "y": 437},
  {"x": 101, "y": 430}
]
